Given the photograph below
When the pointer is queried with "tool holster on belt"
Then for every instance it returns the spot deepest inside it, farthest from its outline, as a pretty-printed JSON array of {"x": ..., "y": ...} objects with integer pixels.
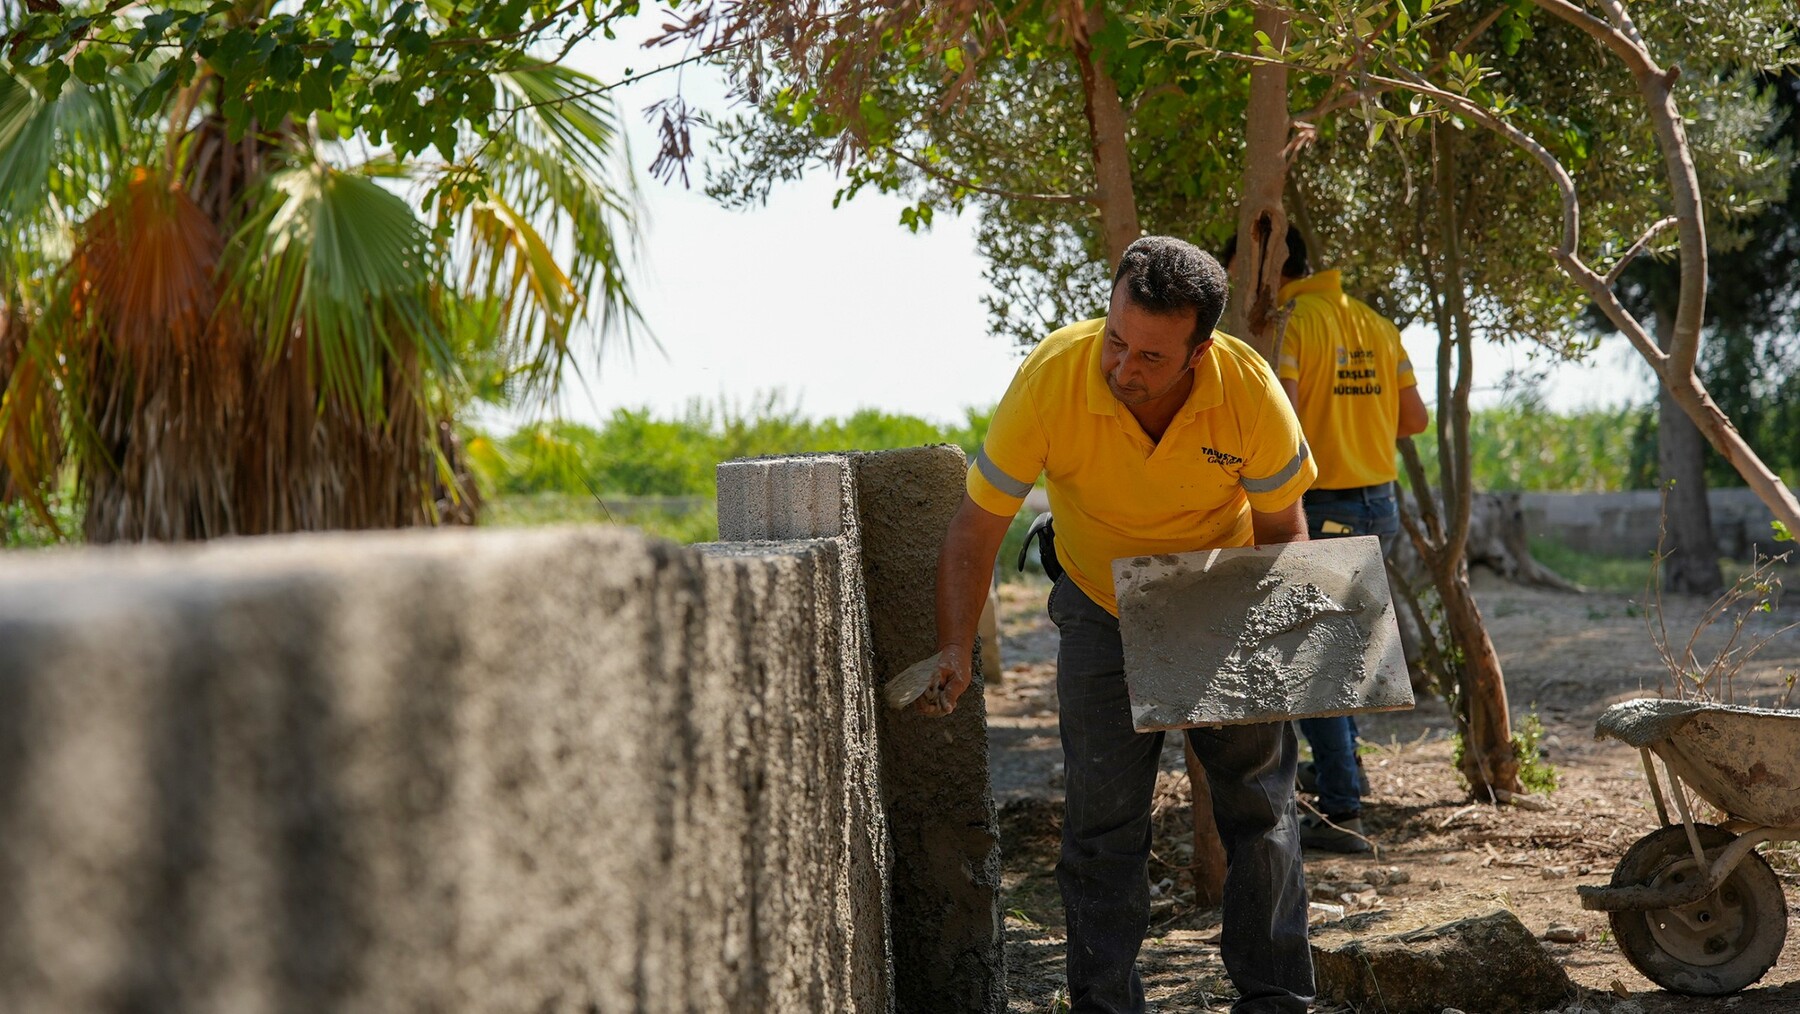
[{"x": 1044, "y": 535}]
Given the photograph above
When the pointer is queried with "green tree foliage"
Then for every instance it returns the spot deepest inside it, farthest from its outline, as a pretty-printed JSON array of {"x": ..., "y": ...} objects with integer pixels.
[
  {"x": 946, "y": 129},
  {"x": 955, "y": 124},
  {"x": 637, "y": 454},
  {"x": 1751, "y": 360},
  {"x": 1361, "y": 187},
  {"x": 1516, "y": 446},
  {"x": 410, "y": 76},
  {"x": 253, "y": 253},
  {"x": 1521, "y": 446}
]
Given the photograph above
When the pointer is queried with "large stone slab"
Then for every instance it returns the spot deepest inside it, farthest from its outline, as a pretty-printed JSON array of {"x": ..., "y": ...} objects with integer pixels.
[
  {"x": 1489, "y": 963},
  {"x": 1260, "y": 634}
]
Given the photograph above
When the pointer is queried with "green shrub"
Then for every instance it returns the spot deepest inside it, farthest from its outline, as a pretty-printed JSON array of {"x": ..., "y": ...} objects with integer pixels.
[
  {"x": 637, "y": 454},
  {"x": 1536, "y": 772},
  {"x": 1524, "y": 447}
]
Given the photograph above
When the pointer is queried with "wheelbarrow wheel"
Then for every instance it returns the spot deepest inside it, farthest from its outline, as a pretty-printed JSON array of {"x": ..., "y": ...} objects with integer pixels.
[{"x": 1717, "y": 945}]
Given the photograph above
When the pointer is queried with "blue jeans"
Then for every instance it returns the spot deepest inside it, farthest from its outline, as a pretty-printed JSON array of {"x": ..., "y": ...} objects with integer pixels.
[
  {"x": 1110, "y": 775},
  {"x": 1367, "y": 510}
]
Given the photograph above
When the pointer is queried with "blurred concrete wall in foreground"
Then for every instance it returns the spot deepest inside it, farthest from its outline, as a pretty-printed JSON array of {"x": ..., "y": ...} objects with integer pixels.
[{"x": 532, "y": 770}]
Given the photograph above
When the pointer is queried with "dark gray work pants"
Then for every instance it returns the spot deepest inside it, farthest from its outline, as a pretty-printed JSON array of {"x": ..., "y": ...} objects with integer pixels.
[{"x": 1110, "y": 774}]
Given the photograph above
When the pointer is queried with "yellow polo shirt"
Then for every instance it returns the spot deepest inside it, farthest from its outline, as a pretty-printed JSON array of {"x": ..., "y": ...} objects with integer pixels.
[
  {"x": 1350, "y": 368},
  {"x": 1235, "y": 445}
]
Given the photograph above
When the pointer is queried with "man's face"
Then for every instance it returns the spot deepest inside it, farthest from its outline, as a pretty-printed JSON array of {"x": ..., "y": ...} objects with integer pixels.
[{"x": 1145, "y": 355}]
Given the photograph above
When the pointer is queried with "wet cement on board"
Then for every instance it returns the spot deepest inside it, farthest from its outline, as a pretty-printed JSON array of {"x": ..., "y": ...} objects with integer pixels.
[
  {"x": 1266, "y": 663},
  {"x": 1257, "y": 637}
]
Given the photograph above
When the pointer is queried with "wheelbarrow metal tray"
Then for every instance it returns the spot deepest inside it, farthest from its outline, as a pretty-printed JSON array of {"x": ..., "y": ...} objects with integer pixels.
[{"x": 1745, "y": 761}]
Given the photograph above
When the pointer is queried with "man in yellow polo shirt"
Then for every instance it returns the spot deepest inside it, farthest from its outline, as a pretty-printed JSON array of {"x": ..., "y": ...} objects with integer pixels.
[
  {"x": 1344, "y": 369},
  {"x": 1156, "y": 434}
]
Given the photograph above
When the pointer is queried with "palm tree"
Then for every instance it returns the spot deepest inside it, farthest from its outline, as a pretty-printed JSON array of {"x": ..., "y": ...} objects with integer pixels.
[{"x": 217, "y": 335}]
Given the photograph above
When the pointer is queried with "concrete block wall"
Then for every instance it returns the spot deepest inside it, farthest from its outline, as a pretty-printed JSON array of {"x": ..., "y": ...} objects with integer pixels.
[
  {"x": 557, "y": 770},
  {"x": 891, "y": 509},
  {"x": 1626, "y": 523}
]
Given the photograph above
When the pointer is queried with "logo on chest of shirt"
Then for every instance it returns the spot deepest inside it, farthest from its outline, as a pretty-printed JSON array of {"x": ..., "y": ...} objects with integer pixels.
[{"x": 1220, "y": 458}]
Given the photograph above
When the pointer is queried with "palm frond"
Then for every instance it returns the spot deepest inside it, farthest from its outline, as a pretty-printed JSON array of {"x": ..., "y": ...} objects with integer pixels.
[
  {"x": 558, "y": 224},
  {"x": 153, "y": 368},
  {"x": 338, "y": 266},
  {"x": 57, "y": 159}
]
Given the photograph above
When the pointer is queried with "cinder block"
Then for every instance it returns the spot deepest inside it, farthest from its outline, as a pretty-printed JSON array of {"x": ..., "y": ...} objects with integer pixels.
[
  {"x": 1260, "y": 634},
  {"x": 776, "y": 499}
]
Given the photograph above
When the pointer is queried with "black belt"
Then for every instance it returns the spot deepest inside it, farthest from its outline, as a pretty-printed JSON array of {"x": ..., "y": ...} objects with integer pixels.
[{"x": 1359, "y": 493}]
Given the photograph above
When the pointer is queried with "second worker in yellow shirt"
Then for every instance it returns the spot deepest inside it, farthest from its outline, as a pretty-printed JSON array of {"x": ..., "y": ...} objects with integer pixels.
[{"x": 1344, "y": 369}]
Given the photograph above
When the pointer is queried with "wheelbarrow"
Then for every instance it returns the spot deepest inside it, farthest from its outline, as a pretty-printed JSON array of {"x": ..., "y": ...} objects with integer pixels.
[{"x": 1692, "y": 905}]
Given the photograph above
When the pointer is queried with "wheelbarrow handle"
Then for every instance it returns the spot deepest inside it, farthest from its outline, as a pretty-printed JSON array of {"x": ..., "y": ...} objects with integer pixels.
[{"x": 1643, "y": 897}]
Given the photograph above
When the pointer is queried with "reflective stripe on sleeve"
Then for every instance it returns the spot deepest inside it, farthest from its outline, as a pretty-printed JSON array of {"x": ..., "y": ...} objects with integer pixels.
[
  {"x": 1279, "y": 479},
  {"x": 998, "y": 479},
  {"x": 1405, "y": 365},
  {"x": 1289, "y": 363}
]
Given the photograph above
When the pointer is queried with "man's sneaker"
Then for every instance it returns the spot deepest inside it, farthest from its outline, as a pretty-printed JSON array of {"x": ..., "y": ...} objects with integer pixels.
[
  {"x": 1306, "y": 778},
  {"x": 1343, "y": 834}
]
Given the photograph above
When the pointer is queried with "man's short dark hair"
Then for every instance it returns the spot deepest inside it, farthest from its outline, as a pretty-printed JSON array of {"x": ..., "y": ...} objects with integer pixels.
[
  {"x": 1163, "y": 274},
  {"x": 1296, "y": 266}
]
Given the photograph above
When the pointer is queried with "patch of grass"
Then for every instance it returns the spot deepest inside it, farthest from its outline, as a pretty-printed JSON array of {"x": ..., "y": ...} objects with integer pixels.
[
  {"x": 1537, "y": 774},
  {"x": 1625, "y": 575},
  {"x": 689, "y": 528},
  {"x": 530, "y": 510}
]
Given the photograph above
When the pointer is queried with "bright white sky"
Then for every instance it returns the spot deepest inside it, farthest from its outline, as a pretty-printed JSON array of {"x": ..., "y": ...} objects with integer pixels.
[{"x": 841, "y": 309}]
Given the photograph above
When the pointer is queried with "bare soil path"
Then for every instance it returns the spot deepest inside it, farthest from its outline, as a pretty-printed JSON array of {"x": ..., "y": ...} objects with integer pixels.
[{"x": 1567, "y": 657}]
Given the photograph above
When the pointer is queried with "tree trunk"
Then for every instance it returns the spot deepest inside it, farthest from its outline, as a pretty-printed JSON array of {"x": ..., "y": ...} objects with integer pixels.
[
  {"x": 1675, "y": 366},
  {"x": 1692, "y": 564},
  {"x": 1114, "y": 195},
  {"x": 1489, "y": 763},
  {"x": 1209, "y": 851},
  {"x": 1255, "y": 313}
]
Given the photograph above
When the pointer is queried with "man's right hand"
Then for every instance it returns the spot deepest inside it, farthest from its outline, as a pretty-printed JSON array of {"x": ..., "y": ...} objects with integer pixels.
[
  {"x": 954, "y": 673},
  {"x": 965, "y": 570}
]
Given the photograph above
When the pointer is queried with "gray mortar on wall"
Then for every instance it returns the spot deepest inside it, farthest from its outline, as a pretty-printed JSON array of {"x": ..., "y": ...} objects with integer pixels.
[
  {"x": 947, "y": 925},
  {"x": 526, "y": 770}
]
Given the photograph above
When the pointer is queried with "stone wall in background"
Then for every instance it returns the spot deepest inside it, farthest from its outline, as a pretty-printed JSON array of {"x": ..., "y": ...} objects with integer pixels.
[
  {"x": 1626, "y": 523},
  {"x": 558, "y": 769}
]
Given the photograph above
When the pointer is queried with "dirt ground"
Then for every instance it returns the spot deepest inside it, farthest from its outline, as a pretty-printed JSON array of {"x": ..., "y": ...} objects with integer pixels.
[{"x": 1566, "y": 657}]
